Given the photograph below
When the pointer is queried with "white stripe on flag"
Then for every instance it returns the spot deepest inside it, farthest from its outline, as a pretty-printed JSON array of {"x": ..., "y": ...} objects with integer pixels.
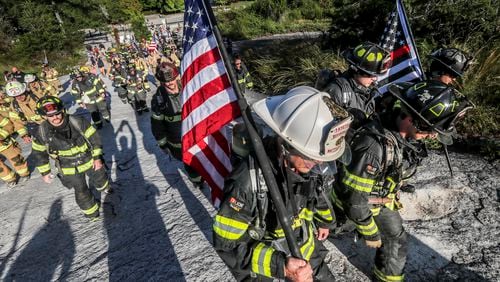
[
  {"x": 198, "y": 49},
  {"x": 395, "y": 69},
  {"x": 208, "y": 107},
  {"x": 224, "y": 159},
  {"x": 203, "y": 77},
  {"x": 207, "y": 164},
  {"x": 404, "y": 78}
]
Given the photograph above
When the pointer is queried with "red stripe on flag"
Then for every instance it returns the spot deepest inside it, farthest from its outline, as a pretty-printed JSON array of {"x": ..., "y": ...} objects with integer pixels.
[
  {"x": 219, "y": 166},
  {"x": 204, "y": 93},
  {"x": 222, "y": 142},
  {"x": 204, "y": 60},
  {"x": 210, "y": 124},
  {"x": 215, "y": 191},
  {"x": 403, "y": 50}
]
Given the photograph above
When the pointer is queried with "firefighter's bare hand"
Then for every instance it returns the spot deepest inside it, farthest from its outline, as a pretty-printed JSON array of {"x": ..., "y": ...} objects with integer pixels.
[
  {"x": 26, "y": 139},
  {"x": 82, "y": 105},
  {"x": 425, "y": 135},
  {"x": 298, "y": 270},
  {"x": 322, "y": 233},
  {"x": 374, "y": 244},
  {"x": 97, "y": 164},
  {"x": 48, "y": 178}
]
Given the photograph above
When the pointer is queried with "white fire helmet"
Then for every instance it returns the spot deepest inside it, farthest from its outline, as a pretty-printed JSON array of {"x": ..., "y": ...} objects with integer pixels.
[
  {"x": 15, "y": 88},
  {"x": 309, "y": 121}
]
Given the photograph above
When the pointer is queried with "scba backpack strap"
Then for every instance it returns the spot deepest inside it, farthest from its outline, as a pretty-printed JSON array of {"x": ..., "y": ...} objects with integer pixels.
[{"x": 327, "y": 76}]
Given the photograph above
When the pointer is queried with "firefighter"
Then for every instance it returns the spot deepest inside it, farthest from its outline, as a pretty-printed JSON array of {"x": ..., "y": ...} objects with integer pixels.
[
  {"x": 137, "y": 91},
  {"x": 51, "y": 76},
  {"x": 89, "y": 94},
  {"x": 119, "y": 77},
  {"x": 166, "y": 107},
  {"x": 76, "y": 148},
  {"x": 11, "y": 150},
  {"x": 383, "y": 157},
  {"x": 40, "y": 88},
  {"x": 242, "y": 73},
  {"x": 23, "y": 108},
  {"x": 17, "y": 75},
  {"x": 448, "y": 64},
  {"x": 354, "y": 89},
  {"x": 310, "y": 132}
]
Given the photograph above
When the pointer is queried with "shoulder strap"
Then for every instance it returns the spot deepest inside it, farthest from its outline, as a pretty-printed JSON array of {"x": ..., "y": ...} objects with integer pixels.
[
  {"x": 346, "y": 89},
  {"x": 74, "y": 123}
]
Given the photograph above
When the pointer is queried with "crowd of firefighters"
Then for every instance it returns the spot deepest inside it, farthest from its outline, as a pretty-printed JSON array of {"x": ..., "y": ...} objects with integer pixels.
[{"x": 340, "y": 154}]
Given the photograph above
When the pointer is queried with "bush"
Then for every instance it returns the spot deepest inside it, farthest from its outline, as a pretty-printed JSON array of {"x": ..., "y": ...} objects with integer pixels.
[{"x": 286, "y": 65}]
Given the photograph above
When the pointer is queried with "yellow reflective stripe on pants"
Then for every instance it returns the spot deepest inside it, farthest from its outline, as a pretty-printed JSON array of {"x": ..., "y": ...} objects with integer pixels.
[
  {"x": 103, "y": 186},
  {"x": 387, "y": 278},
  {"x": 43, "y": 168},
  {"x": 89, "y": 131},
  {"x": 158, "y": 117},
  {"x": 22, "y": 171},
  {"x": 336, "y": 200},
  {"x": 175, "y": 145},
  {"x": 173, "y": 118},
  {"x": 279, "y": 233},
  {"x": 308, "y": 248},
  {"x": 73, "y": 151},
  {"x": 4, "y": 122},
  {"x": 22, "y": 131},
  {"x": 96, "y": 152},
  {"x": 9, "y": 177},
  {"x": 4, "y": 133},
  {"x": 229, "y": 228},
  {"x": 162, "y": 141},
  {"x": 91, "y": 210},
  {"x": 261, "y": 259},
  {"x": 306, "y": 214},
  {"x": 368, "y": 230},
  {"x": 81, "y": 168},
  {"x": 38, "y": 147},
  {"x": 375, "y": 211},
  {"x": 324, "y": 215},
  {"x": 357, "y": 183}
]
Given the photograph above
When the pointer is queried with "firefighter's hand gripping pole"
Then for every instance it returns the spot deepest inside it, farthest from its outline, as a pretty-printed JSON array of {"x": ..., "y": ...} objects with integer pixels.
[{"x": 283, "y": 216}]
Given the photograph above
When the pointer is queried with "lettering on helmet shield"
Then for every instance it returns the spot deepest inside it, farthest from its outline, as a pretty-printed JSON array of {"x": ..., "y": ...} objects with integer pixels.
[{"x": 335, "y": 136}]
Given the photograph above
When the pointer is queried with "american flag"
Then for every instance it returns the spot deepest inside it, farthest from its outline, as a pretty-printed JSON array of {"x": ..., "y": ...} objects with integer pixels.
[
  {"x": 397, "y": 40},
  {"x": 209, "y": 101},
  {"x": 153, "y": 46}
]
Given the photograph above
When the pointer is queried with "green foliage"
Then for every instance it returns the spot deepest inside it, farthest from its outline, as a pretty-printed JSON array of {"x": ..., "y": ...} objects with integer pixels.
[
  {"x": 270, "y": 9},
  {"x": 260, "y": 18},
  {"x": 163, "y": 6},
  {"x": 283, "y": 66}
]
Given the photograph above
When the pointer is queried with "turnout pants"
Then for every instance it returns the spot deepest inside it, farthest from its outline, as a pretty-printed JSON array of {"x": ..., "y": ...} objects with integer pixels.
[
  {"x": 390, "y": 259},
  {"x": 138, "y": 100},
  {"x": 54, "y": 82},
  {"x": 83, "y": 195},
  {"x": 13, "y": 154},
  {"x": 96, "y": 110}
]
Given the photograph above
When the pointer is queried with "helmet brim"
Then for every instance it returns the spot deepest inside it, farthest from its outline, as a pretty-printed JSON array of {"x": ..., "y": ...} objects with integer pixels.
[{"x": 397, "y": 91}]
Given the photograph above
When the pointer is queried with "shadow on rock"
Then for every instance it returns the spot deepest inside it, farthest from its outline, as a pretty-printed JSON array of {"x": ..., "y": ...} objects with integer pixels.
[
  {"x": 423, "y": 262},
  {"x": 139, "y": 244},
  {"x": 169, "y": 167},
  {"x": 50, "y": 251}
]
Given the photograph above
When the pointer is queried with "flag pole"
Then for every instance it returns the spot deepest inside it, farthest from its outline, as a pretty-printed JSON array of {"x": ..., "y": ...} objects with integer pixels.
[
  {"x": 400, "y": 2},
  {"x": 445, "y": 147},
  {"x": 283, "y": 216}
]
